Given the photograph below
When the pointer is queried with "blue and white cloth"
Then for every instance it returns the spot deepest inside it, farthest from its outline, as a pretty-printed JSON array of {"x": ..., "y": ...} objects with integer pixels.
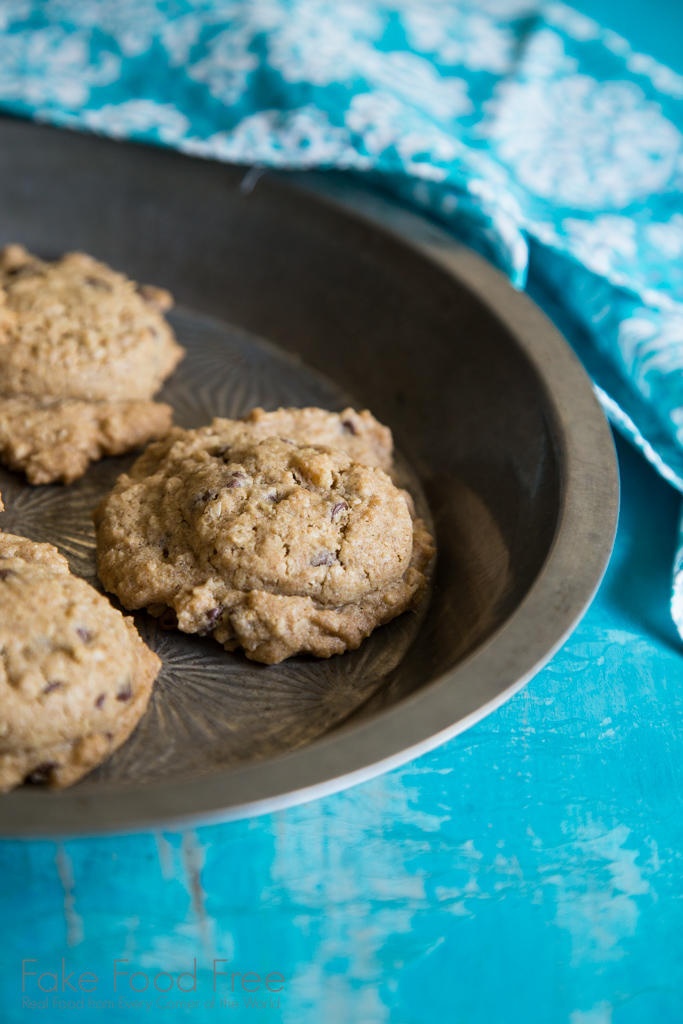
[{"x": 543, "y": 140}]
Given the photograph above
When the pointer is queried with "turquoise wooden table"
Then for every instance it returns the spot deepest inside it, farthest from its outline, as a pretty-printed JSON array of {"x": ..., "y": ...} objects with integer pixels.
[{"x": 528, "y": 872}]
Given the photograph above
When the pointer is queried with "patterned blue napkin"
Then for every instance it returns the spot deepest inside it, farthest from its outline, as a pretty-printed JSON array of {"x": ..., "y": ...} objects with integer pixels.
[{"x": 541, "y": 139}]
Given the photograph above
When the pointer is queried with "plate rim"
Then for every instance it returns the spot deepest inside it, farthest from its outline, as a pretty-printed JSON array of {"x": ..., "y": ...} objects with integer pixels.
[{"x": 495, "y": 671}]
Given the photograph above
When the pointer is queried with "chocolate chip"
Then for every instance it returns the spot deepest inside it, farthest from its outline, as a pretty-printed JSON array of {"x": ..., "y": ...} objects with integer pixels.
[
  {"x": 51, "y": 687},
  {"x": 212, "y": 616},
  {"x": 339, "y": 507},
  {"x": 235, "y": 480},
  {"x": 125, "y": 694},
  {"x": 85, "y": 634},
  {"x": 158, "y": 298},
  {"x": 6, "y": 573},
  {"x": 349, "y": 427},
  {"x": 165, "y": 552},
  {"x": 168, "y": 619},
  {"x": 42, "y": 773},
  {"x": 95, "y": 282},
  {"x": 99, "y": 703},
  {"x": 323, "y": 558},
  {"x": 207, "y": 496}
]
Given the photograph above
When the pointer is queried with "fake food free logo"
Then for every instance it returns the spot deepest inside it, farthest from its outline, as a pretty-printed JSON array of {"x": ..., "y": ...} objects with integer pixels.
[{"x": 124, "y": 988}]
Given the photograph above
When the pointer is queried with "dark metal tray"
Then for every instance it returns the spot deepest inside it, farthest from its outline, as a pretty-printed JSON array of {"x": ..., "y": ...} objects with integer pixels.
[{"x": 499, "y": 433}]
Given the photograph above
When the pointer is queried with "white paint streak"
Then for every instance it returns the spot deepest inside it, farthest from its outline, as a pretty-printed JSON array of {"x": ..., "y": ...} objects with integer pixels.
[
  {"x": 349, "y": 906},
  {"x": 654, "y": 862},
  {"x": 72, "y": 920},
  {"x": 601, "y": 1013},
  {"x": 176, "y": 950},
  {"x": 131, "y": 924},
  {"x": 596, "y": 893},
  {"x": 194, "y": 856},
  {"x": 165, "y": 855}
]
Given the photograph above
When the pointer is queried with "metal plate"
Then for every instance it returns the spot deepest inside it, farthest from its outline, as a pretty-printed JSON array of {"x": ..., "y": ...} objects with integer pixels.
[{"x": 496, "y": 421}]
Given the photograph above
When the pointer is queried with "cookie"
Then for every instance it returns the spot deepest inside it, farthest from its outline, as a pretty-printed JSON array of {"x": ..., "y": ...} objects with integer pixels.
[
  {"x": 57, "y": 440},
  {"x": 75, "y": 677},
  {"x": 358, "y": 434},
  {"x": 272, "y": 546},
  {"x": 82, "y": 350},
  {"x": 77, "y": 329}
]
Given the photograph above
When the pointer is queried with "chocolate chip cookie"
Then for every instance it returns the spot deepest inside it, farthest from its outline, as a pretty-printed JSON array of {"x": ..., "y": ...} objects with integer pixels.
[
  {"x": 82, "y": 351},
  {"x": 358, "y": 434},
  {"x": 75, "y": 677},
  {"x": 275, "y": 546}
]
